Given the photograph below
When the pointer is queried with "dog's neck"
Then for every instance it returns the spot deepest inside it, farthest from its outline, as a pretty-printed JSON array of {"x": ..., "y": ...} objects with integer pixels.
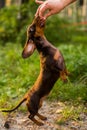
[{"x": 41, "y": 43}]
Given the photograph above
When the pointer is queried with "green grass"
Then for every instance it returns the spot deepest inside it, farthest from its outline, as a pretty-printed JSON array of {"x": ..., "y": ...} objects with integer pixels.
[
  {"x": 18, "y": 75},
  {"x": 71, "y": 112}
]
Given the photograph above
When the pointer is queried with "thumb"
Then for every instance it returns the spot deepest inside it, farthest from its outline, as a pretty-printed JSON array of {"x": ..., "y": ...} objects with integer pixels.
[{"x": 37, "y": 12}]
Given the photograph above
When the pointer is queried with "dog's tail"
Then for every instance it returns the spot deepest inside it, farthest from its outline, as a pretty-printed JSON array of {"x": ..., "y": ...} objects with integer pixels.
[{"x": 23, "y": 100}]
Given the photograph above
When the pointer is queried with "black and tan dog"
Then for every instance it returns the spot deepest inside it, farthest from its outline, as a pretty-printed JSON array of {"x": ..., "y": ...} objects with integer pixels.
[{"x": 52, "y": 67}]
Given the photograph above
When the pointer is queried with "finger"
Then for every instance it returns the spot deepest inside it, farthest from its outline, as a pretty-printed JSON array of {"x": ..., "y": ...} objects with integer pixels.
[
  {"x": 43, "y": 9},
  {"x": 51, "y": 12},
  {"x": 39, "y": 2},
  {"x": 37, "y": 12}
]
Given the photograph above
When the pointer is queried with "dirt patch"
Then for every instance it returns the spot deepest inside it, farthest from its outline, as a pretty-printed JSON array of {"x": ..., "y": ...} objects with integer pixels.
[{"x": 19, "y": 121}]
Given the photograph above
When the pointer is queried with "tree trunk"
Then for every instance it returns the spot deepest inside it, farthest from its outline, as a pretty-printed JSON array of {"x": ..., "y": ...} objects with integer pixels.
[
  {"x": 2, "y": 3},
  {"x": 24, "y": 1}
]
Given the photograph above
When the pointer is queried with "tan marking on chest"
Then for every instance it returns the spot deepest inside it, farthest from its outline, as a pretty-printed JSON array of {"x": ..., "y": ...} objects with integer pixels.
[{"x": 56, "y": 56}]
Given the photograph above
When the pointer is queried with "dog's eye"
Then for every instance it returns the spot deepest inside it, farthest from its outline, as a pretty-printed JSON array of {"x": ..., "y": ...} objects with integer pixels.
[{"x": 32, "y": 29}]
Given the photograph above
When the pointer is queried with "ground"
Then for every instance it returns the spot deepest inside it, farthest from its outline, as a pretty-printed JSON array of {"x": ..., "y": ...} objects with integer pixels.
[{"x": 52, "y": 110}]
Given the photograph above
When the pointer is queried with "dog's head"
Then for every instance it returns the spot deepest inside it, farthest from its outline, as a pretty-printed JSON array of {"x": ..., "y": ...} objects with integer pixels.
[{"x": 36, "y": 29}]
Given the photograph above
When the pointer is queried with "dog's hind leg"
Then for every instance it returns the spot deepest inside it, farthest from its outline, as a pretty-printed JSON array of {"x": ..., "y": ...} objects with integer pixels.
[
  {"x": 33, "y": 111},
  {"x": 31, "y": 117},
  {"x": 41, "y": 116}
]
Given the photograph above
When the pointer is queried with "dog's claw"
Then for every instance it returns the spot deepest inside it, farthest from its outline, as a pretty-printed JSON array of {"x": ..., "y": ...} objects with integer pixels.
[{"x": 39, "y": 123}]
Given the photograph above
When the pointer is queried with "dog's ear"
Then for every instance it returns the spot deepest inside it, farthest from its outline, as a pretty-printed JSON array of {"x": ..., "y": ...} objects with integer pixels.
[{"x": 28, "y": 49}]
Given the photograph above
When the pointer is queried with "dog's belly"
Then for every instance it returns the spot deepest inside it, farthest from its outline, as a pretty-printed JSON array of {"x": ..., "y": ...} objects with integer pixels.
[{"x": 46, "y": 84}]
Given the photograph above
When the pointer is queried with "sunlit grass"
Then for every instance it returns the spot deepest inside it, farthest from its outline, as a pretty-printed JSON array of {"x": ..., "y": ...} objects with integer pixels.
[{"x": 71, "y": 112}]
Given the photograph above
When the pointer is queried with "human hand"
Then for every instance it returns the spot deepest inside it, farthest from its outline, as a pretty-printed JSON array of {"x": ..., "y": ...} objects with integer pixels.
[{"x": 48, "y": 8}]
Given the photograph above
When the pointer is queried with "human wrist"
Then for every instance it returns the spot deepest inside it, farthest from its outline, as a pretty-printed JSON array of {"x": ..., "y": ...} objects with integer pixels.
[{"x": 67, "y": 2}]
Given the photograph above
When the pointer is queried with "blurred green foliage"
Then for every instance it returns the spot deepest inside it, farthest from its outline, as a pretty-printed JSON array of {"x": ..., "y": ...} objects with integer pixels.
[
  {"x": 8, "y": 24},
  {"x": 56, "y": 30},
  {"x": 14, "y": 20}
]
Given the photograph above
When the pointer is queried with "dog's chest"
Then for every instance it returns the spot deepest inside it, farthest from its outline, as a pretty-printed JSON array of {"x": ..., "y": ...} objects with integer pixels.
[{"x": 48, "y": 63}]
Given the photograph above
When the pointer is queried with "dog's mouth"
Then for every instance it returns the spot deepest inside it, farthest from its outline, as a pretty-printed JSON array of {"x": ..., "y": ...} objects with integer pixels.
[{"x": 28, "y": 49}]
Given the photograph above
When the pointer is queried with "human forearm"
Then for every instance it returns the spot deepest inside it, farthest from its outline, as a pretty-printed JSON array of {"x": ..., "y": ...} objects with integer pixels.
[
  {"x": 52, "y": 7},
  {"x": 66, "y": 2}
]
